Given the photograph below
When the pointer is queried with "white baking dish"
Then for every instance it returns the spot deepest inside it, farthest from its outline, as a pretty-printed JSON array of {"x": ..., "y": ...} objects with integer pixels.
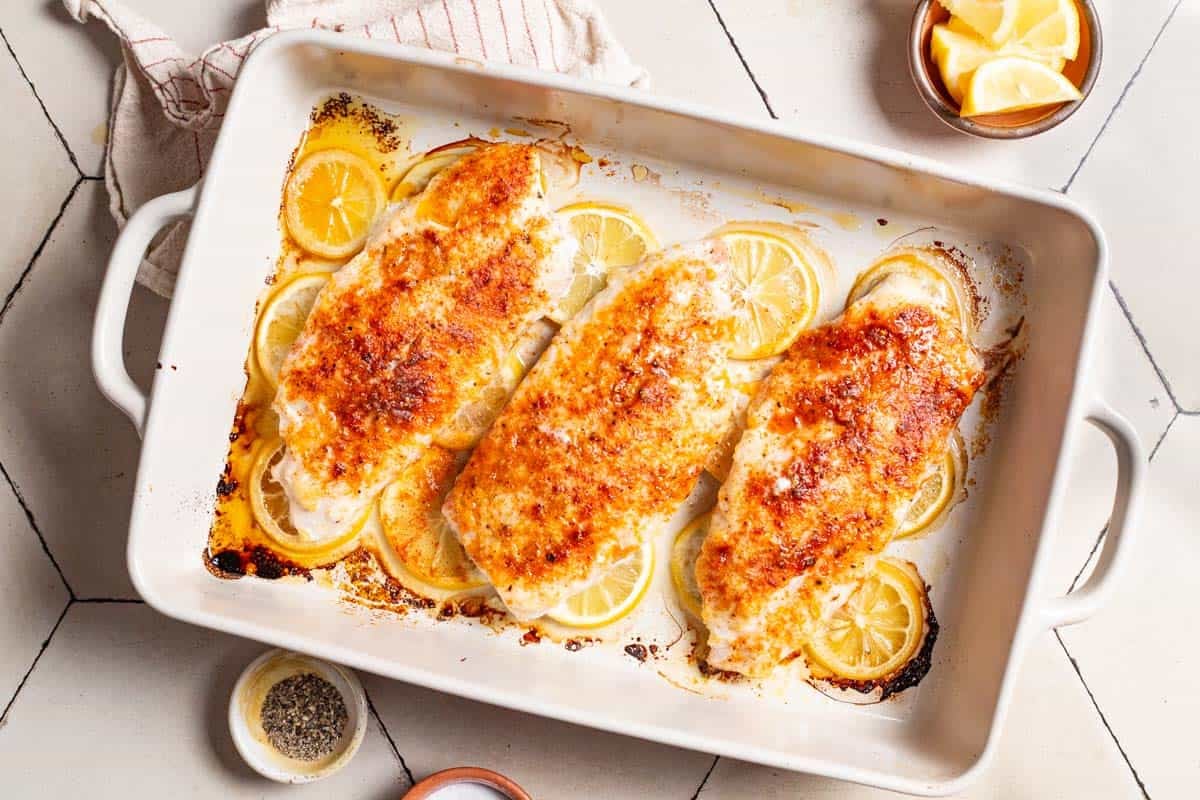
[{"x": 989, "y": 557}]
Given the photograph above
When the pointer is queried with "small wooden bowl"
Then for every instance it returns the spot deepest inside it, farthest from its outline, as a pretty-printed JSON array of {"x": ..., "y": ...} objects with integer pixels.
[{"x": 1016, "y": 124}]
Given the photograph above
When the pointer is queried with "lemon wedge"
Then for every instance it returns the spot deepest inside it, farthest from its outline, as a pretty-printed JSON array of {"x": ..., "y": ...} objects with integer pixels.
[
  {"x": 410, "y": 513},
  {"x": 959, "y": 53},
  {"x": 417, "y": 177},
  {"x": 609, "y": 237},
  {"x": 1013, "y": 83},
  {"x": 776, "y": 290},
  {"x": 937, "y": 492},
  {"x": 269, "y": 504},
  {"x": 282, "y": 319},
  {"x": 613, "y": 597},
  {"x": 994, "y": 20},
  {"x": 879, "y": 628},
  {"x": 330, "y": 201},
  {"x": 684, "y": 552},
  {"x": 1047, "y": 28}
]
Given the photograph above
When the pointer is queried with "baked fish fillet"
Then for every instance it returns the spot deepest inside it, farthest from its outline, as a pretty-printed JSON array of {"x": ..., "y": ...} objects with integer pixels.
[
  {"x": 414, "y": 328},
  {"x": 837, "y": 442},
  {"x": 606, "y": 436}
]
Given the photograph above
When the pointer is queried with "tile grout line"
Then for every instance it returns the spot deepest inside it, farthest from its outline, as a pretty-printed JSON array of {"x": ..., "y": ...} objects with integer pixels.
[
  {"x": 753, "y": 79},
  {"x": 700, "y": 788},
  {"x": 12, "y": 294},
  {"x": 1162, "y": 437},
  {"x": 38, "y": 531},
  {"x": 1141, "y": 337},
  {"x": 1103, "y": 719},
  {"x": 387, "y": 734},
  {"x": 45, "y": 112},
  {"x": 1121, "y": 98},
  {"x": 32, "y": 666}
]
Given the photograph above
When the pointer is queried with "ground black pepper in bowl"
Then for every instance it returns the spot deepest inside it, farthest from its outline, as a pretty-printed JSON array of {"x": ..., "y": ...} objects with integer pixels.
[{"x": 304, "y": 716}]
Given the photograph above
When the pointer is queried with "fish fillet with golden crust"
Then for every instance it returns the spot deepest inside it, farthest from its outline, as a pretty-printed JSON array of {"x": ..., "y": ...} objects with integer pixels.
[
  {"x": 838, "y": 440},
  {"x": 606, "y": 436},
  {"x": 414, "y": 328}
]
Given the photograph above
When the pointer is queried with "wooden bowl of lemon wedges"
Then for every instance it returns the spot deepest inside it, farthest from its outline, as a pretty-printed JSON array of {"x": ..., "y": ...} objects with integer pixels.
[{"x": 1004, "y": 69}]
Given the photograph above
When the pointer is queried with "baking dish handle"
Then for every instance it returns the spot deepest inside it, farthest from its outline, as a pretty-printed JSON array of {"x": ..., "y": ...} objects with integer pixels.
[
  {"x": 1131, "y": 471},
  {"x": 108, "y": 331}
]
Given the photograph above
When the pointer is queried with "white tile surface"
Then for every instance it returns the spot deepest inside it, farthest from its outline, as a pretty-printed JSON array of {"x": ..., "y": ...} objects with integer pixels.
[
  {"x": 1145, "y": 155},
  {"x": 1139, "y": 655},
  {"x": 126, "y": 703},
  {"x": 73, "y": 455},
  {"x": 31, "y": 594},
  {"x": 548, "y": 759},
  {"x": 52, "y": 46},
  {"x": 34, "y": 164},
  {"x": 842, "y": 68},
  {"x": 1053, "y": 746},
  {"x": 687, "y": 53}
]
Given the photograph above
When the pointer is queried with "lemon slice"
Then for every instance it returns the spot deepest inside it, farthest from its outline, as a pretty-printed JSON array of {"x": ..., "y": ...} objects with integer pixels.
[
  {"x": 994, "y": 20},
  {"x": 609, "y": 236},
  {"x": 613, "y": 597},
  {"x": 282, "y": 319},
  {"x": 474, "y": 420},
  {"x": 269, "y": 504},
  {"x": 937, "y": 491},
  {"x": 418, "y": 176},
  {"x": 410, "y": 513},
  {"x": 331, "y": 200},
  {"x": 879, "y": 628},
  {"x": 684, "y": 552},
  {"x": 776, "y": 291},
  {"x": 924, "y": 266},
  {"x": 1049, "y": 28},
  {"x": 1014, "y": 83}
]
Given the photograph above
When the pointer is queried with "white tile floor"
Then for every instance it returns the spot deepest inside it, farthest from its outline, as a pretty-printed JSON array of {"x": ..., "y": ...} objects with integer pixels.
[{"x": 1105, "y": 709}]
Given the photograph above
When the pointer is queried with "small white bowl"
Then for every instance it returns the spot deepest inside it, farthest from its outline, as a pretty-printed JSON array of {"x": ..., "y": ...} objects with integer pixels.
[{"x": 245, "y": 723}]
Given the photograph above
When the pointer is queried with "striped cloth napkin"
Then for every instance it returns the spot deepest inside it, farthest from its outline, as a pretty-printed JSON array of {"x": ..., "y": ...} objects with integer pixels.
[{"x": 167, "y": 105}]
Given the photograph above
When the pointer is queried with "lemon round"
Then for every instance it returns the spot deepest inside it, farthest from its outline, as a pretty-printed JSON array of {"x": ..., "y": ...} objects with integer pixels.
[
  {"x": 282, "y": 319},
  {"x": 684, "y": 552},
  {"x": 330, "y": 201},
  {"x": 410, "y": 513},
  {"x": 937, "y": 492},
  {"x": 1015, "y": 83},
  {"x": 923, "y": 266},
  {"x": 269, "y": 505},
  {"x": 613, "y": 597},
  {"x": 609, "y": 237},
  {"x": 879, "y": 628},
  {"x": 776, "y": 291},
  {"x": 417, "y": 177}
]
